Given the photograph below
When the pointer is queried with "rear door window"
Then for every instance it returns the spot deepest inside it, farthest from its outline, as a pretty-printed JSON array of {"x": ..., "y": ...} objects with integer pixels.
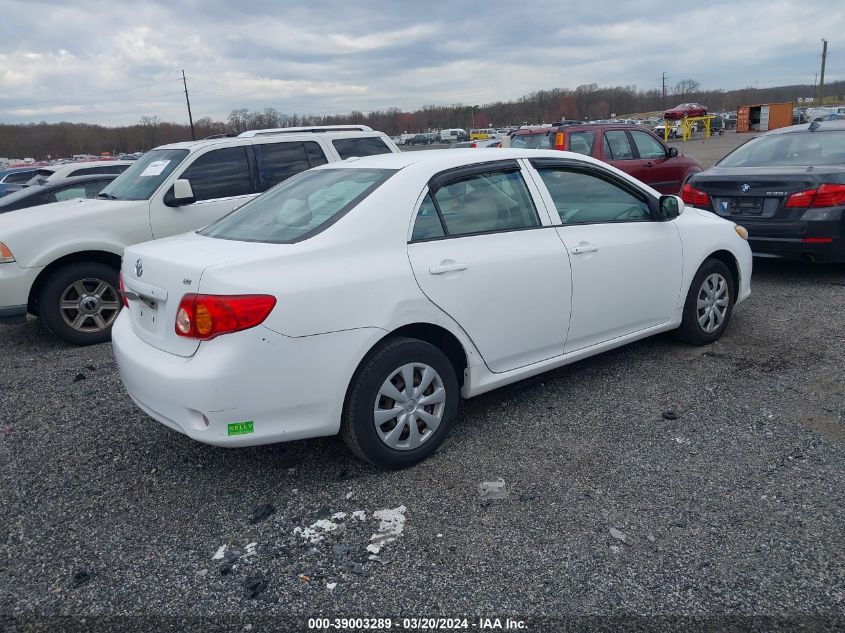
[
  {"x": 278, "y": 162},
  {"x": 427, "y": 225},
  {"x": 363, "y": 146},
  {"x": 486, "y": 202},
  {"x": 616, "y": 142},
  {"x": 220, "y": 173}
]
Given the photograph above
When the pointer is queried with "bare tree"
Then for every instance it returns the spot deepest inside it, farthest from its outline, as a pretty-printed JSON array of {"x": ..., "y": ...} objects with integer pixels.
[{"x": 687, "y": 87}]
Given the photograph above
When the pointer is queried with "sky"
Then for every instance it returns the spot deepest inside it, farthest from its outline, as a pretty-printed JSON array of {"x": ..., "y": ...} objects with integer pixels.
[{"x": 112, "y": 62}]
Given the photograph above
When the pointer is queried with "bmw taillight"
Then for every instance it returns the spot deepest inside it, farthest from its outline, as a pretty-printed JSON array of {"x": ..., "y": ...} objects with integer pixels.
[
  {"x": 826, "y": 195},
  {"x": 207, "y": 316},
  {"x": 695, "y": 197}
]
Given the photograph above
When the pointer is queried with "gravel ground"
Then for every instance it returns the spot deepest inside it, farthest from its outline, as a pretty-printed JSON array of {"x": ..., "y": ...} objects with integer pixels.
[{"x": 735, "y": 508}]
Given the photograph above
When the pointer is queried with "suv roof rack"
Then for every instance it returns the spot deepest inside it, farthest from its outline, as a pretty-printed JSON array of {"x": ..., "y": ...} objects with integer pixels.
[{"x": 312, "y": 129}]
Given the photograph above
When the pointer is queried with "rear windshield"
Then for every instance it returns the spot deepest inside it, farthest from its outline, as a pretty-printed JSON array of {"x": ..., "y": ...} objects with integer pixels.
[
  {"x": 793, "y": 148},
  {"x": 299, "y": 207},
  {"x": 531, "y": 141},
  {"x": 144, "y": 176}
]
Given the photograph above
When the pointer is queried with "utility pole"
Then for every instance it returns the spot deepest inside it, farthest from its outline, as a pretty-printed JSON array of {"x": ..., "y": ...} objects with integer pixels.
[
  {"x": 821, "y": 75},
  {"x": 188, "y": 101},
  {"x": 663, "y": 99}
]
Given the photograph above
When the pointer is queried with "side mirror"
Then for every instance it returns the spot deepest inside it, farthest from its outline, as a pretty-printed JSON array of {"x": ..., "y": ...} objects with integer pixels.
[
  {"x": 673, "y": 151},
  {"x": 670, "y": 207},
  {"x": 180, "y": 194}
]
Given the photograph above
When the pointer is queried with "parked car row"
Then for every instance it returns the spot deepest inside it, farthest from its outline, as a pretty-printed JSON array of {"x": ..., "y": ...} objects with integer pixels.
[{"x": 632, "y": 149}]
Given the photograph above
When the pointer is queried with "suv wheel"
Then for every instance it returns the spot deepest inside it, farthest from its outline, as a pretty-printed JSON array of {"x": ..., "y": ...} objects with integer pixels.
[{"x": 80, "y": 302}]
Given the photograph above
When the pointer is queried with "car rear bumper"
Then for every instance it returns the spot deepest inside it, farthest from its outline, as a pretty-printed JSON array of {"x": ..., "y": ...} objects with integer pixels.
[
  {"x": 288, "y": 388},
  {"x": 819, "y": 240}
]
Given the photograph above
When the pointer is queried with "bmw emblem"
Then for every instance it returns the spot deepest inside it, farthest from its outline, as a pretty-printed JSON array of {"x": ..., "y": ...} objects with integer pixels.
[
  {"x": 744, "y": 188},
  {"x": 139, "y": 268}
]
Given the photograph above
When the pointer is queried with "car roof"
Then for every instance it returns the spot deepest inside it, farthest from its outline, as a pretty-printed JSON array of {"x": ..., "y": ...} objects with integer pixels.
[
  {"x": 566, "y": 129},
  {"x": 237, "y": 141},
  {"x": 14, "y": 170},
  {"x": 439, "y": 159},
  {"x": 824, "y": 126}
]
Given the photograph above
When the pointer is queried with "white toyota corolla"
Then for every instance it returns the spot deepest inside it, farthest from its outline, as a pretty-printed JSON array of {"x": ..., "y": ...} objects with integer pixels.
[{"x": 366, "y": 297}]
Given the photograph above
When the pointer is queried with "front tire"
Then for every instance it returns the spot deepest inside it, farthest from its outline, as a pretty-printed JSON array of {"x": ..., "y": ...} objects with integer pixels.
[
  {"x": 709, "y": 304},
  {"x": 80, "y": 302},
  {"x": 401, "y": 403}
]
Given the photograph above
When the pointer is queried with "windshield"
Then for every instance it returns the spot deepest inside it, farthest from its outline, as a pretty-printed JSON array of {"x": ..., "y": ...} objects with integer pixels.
[
  {"x": 794, "y": 148},
  {"x": 531, "y": 141},
  {"x": 144, "y": 176},
  {"x": 300, "y": 207}
]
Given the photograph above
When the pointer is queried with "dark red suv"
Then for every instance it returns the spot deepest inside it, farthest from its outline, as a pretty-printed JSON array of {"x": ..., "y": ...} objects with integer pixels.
[{"x": 631, "y": 148}]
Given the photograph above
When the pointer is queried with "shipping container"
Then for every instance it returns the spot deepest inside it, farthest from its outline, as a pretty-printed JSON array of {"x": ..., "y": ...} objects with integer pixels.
[{"x": 763, "y": 117}]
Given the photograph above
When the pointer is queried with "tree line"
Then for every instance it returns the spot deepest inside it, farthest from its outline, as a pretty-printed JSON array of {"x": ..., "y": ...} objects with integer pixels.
[{"x": 589, "y": 101}]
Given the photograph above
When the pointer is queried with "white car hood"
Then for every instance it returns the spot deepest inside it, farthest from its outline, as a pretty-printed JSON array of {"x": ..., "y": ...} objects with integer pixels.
[{"x": 68, "y": 212}]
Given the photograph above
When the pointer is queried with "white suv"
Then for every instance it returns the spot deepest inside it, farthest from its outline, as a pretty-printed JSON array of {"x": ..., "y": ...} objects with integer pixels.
[{"x": 60, "y": 261}]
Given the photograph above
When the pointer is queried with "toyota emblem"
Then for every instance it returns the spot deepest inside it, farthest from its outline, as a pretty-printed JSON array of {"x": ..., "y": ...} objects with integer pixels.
[
  {"x": 744, "y": 188},
  {"x": 139, "y": 268}
]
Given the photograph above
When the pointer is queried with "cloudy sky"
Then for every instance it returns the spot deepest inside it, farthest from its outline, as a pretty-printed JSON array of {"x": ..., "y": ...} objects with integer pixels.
[{"x": 114, "y": 61}]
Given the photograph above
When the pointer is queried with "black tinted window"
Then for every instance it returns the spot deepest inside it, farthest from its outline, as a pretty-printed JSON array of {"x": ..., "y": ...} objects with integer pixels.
[
  {"x": 278, "y": 162},
  {"x": 104, "y": 169},
  {"x": 18, "y": 177},
  {"x": 366, "y": 146},
  {"x": 221, "y": 173},
  {"x": 315, "y": 154}
]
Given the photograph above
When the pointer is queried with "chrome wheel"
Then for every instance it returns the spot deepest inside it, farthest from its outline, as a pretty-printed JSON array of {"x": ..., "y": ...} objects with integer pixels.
[
  {"x": 712, "y": 302},
  {"x": 89, "y": 305},
  {"x": 409, "y": 406}
]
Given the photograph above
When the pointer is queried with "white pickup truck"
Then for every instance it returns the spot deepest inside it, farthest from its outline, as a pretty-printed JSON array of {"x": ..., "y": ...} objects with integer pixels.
[{"x": 61, "y": 261}]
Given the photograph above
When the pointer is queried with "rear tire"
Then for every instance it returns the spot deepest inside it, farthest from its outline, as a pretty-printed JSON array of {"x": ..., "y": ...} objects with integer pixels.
[
  {"x": 709, "y": 304},
  {"x": 421, "y": 416},
  {"x": 80, "y": 302}
]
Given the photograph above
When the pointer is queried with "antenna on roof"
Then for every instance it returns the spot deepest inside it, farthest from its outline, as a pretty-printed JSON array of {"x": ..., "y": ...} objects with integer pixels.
[{"x": 815, "y": 125}]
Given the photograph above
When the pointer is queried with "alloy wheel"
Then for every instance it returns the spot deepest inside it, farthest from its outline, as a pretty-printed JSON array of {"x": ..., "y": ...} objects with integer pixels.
[
  {"x": 89, "y": 305},
  {"x": 409, "y": 406}
]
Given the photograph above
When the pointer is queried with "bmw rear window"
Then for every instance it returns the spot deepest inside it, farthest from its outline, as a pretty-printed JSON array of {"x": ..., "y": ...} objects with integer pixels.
[
  {"x": 300, "y": 207},
  {"x": 791, "y": 148}
]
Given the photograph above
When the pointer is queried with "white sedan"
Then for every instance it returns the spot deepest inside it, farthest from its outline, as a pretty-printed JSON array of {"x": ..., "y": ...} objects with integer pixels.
[{"x": 367, "y": 297}]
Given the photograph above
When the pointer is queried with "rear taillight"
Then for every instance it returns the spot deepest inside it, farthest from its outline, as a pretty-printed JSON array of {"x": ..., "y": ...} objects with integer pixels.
[
  {"x": 206, "y": 316},
  {"x": 800, "y": 199},
  {"x": 123, "y": 292},
  {"x": 560, "y": 140},
  {"x": 474, "y": 145},
  {"x": 827, "y": 195},
  {"x": 695, "y": 197}
]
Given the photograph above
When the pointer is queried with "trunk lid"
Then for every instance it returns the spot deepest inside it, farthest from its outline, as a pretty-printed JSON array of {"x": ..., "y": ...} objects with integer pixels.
[
  {"x": 158, "y": 274},
  {"x": 750, "y": 193}
]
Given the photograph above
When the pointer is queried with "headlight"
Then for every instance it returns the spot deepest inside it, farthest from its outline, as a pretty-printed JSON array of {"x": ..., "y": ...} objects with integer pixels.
[
  {"x": 5, "y": 254},
  {"x": 741, "y": 231}
]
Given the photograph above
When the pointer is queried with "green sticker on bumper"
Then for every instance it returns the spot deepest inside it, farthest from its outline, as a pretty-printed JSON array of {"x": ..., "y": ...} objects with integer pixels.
[{"x": 241, "y": 428}]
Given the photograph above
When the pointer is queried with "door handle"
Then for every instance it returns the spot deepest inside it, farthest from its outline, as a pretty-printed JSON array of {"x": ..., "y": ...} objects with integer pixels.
[
  {"x": 587, "y": 248},
  {"x": 447, "y": 268},
  {"x": 649, "y": 164}
]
